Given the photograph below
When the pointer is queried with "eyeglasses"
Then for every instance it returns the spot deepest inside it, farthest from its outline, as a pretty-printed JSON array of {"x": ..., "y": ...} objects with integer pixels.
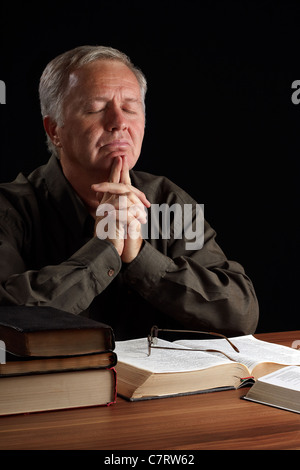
[{"x": 153, "y": 338}]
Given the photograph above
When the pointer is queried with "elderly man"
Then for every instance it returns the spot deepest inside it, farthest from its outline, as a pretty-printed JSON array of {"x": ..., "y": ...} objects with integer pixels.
[{"x": 54, "y": 249}]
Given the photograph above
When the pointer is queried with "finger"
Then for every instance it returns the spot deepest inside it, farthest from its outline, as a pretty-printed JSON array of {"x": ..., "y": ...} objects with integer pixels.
[
  {"x": 114, "y": 177},
  {"x": 116, "y": 169},
  {"x": 121, "y": 189},
  {"x": 125, "y": 176},
  {"x": 138, "y": 212},
  {"x": 134, "y": 230},
  {"x": 127, "y": 200}
]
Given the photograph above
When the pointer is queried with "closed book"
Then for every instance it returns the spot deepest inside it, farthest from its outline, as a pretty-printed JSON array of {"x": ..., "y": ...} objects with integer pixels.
[
  {"x": 57, "y": 390},
  {"x": 20, "y": 365},
  {"x": 280, "y": 389},
  {"x": 45, "y": 331}
]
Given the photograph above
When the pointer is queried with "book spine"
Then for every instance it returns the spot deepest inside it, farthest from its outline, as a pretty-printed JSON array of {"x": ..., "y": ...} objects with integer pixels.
[{"x": 115, "y": 386}]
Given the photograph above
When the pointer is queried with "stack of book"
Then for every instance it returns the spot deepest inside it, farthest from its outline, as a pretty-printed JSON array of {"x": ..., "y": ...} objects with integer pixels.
[{"x": 54, "y": 360}]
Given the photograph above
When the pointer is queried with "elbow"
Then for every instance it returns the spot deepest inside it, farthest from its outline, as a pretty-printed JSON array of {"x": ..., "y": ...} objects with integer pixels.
[{"x": 243, "y": 314}]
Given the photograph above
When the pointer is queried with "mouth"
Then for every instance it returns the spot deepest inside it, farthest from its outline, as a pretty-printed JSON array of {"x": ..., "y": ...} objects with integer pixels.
[
  {"x": 115, "y": 148},
  {"x": 115, "y": 144}
]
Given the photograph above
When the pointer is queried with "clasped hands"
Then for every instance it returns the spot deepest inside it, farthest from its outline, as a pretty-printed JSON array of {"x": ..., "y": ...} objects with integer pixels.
[{"x": 121, "y": 211}]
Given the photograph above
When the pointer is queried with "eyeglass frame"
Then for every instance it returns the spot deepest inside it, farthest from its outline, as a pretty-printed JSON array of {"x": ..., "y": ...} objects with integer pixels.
[{"x": 154, "y": 336}]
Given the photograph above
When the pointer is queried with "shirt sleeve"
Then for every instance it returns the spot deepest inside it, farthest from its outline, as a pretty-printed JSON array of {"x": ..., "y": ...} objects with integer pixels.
[
  {"x": 70, "y": 285},
  {"x": 199, "y": 289}
]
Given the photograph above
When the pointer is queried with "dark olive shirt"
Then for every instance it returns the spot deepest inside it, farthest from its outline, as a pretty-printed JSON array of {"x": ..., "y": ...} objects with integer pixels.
[{"x": 49, "y": 256}]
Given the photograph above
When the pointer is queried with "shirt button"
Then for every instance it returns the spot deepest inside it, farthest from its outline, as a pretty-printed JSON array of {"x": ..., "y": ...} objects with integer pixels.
[{"x": 111, "y": 272}]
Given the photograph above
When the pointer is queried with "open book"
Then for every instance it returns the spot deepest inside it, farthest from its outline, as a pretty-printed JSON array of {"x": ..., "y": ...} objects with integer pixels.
[
  {"x": 280, "y": 389},
  {"x": 171, "y": 372}
]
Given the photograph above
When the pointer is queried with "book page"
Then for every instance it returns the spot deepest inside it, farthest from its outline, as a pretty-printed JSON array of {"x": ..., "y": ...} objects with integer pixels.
[
  {"x": 252, "y": 350},
  {"x": 289, "y": 377},
  {"x": 135, "y": 353}
]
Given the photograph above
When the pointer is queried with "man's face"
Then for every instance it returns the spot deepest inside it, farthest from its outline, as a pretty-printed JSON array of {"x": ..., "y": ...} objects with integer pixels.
[{"x": 103, "y": 117}]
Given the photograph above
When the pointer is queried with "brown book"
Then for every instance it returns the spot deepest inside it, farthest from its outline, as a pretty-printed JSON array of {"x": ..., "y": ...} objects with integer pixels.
[
  {"x": 45, "y": 331},
  {"x": 18, "y": 365},
  {"x": 58, "y": 390}
]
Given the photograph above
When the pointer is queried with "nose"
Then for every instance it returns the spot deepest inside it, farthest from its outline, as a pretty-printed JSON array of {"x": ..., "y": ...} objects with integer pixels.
[{"x": 115, "y": 119}]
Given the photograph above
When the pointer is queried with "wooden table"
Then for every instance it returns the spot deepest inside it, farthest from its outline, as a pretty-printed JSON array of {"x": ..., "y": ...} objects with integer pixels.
[{"x": 218, "y": 420}]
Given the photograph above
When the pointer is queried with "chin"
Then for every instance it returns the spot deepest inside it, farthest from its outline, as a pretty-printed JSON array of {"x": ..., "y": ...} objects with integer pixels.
[{"x": 131, "y": 160}]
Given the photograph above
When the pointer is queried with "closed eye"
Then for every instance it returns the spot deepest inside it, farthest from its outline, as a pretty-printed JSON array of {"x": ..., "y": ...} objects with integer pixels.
[
  {"x": 96, "y": 111},
  {"x": 125, "y": 110},
  {"x": 129, "y": 111}
]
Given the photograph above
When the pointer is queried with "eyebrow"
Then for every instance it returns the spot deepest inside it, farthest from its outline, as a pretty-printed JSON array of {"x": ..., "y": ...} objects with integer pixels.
[{"x": 105, "y": 100}]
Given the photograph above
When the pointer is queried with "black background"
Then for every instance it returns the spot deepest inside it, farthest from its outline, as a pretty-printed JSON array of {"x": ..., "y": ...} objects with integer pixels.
[{"x": 220, "y": 119}]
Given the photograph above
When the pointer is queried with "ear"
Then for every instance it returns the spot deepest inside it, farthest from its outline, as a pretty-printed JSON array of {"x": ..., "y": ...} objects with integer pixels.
[{"x": 51, "y": 127}]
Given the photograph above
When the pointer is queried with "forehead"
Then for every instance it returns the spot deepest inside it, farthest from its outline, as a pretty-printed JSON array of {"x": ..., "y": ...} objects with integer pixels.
[{"x": 104, "y": 75}]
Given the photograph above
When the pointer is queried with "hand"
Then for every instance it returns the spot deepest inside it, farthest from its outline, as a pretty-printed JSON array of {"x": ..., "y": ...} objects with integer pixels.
[{"x": 123, "y": 207}]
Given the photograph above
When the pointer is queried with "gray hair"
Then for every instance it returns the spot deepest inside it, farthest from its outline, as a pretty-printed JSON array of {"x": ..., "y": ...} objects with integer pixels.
[{"x": 54, "y": 80}]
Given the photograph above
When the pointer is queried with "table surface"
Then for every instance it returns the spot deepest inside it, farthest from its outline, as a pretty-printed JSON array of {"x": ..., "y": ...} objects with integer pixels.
[{"x": 219, "y": 420}]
